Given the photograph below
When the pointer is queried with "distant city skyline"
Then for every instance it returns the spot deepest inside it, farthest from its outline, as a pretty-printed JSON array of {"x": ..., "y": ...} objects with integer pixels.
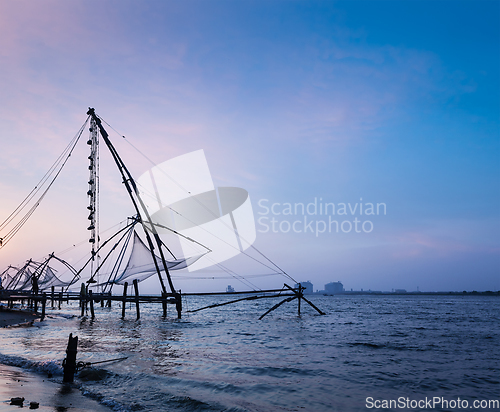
[
  {"x": 338, "y": 287},
  {"x": 339, "y": 103}
]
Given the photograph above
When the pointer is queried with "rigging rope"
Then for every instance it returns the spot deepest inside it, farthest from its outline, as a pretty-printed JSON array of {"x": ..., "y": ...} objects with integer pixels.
[
  {"x": 241, "y": 251},
  {"x": 58, "y": 164},
  {"x": 84, "y": 242},
  {"x": 119, "y": 261},
  {"x": 183, "y": 276}
]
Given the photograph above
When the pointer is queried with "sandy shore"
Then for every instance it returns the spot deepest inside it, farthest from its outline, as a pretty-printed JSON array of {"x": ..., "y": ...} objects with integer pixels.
[
  {"x": 51, "y": 396},
  {"x": 10, "y": 317}
]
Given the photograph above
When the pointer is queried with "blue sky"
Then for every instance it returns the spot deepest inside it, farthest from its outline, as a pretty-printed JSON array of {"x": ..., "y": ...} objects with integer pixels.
[{"x": 389, "y": 101}]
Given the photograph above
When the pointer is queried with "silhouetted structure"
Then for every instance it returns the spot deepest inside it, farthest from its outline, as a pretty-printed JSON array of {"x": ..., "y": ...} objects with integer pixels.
[
  {"x": 308, "y": 287},
  {"x": 334, "y": 288}
]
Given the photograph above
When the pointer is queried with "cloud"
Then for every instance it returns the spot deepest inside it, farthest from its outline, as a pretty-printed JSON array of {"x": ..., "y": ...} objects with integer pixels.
[{"x": 446, "y": 239}]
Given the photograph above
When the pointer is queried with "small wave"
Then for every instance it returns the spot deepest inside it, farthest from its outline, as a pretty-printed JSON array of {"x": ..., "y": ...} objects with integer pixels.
[
  {"x": 277, "y": 372},
  {"x": 109, "y": 402},
  {"x": 185, "y": 403},
  {"x": 64, "y": 315},
  {"x": 391, "y": 346},
  {"x": 155, "y": 397},
  {"x": 47, "y": 367},
  {"x": 93, "y": 374},
  {"x": 188, "y": 404},
  {"x": 398, "y": 335},
  {"x": 368, "y": 345}
]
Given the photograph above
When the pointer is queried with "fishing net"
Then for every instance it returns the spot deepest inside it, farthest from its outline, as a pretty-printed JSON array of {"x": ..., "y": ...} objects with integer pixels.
[
  {"x": 141, "y": 266},
  {"x": 8, "y": 276},
  {"x": 49, "y": 279},
  {"x": 22, "y": 279}
]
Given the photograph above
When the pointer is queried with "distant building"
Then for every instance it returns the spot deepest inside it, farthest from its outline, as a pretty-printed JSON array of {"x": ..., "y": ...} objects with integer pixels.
[
  {"x": 400, "y": 291},
  {"x": 334, "y": 287},
  {"x": 308, "y": 287},
  {"x": 230, "y": 289}
]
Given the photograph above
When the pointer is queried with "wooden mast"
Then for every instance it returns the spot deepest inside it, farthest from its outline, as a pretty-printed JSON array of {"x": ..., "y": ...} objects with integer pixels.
[{"x": 129, "y": 183}]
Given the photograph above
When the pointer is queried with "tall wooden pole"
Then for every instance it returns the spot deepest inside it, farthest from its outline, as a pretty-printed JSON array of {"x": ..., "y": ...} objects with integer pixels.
[
  {"x": 132, "y": 190},
  {"x": 125, "y": 286},
  {"x": 136, "y": 288}
]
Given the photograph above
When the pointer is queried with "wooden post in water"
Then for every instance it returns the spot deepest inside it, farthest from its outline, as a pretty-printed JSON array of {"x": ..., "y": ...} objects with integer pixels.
[
  {"x": 178, "y": 304},
  {"x": 305, "y": 300},
  {"x": 60, "y": 299},
  {"x": 164, "y": 304},
  {"x": 82, "y": 297},
  {"x": 136, "y": 287},
  {"x": 34, "y": 283},
  {"x": 52, "y": 288},
  {"x": 87, "y": 298},
  {"x": 125, "y": 286},
  {"x": 69, "y": 363},
  {"x": 300, "y": 295},
  {"x": 44, "y": 302},
  {"x": 91, "y": 299}
]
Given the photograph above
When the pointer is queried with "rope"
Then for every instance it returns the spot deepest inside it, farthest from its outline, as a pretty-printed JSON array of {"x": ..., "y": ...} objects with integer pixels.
[
  {"x": 265, "y": 257},
  {"x": 183, "y": 276},
  {"x": 84, "y": 242},
  {"x": 241, "y": 251},
  {"x": 69, "y": 150}
]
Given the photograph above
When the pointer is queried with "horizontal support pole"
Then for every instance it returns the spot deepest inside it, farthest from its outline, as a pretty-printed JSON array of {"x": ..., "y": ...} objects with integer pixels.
[{"x": 239, "y": 300}]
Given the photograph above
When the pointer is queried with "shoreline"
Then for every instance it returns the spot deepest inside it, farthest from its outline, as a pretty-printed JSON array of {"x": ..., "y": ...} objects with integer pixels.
[
  {"x": 51, "y": 395},
  {"x": 15, "y": 317}
]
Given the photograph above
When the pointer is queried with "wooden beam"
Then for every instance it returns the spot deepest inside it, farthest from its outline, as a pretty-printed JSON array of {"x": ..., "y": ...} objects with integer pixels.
[
  {"x": 278, "y": 305},
  {"x": 136, "y": 287},
  {"x": 125, "y": 286},
  {"x": 239, "y": 300}
]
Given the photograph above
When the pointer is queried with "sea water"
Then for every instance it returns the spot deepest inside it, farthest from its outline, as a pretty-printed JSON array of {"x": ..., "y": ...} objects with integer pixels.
[{"x": 366, "y": 348}]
